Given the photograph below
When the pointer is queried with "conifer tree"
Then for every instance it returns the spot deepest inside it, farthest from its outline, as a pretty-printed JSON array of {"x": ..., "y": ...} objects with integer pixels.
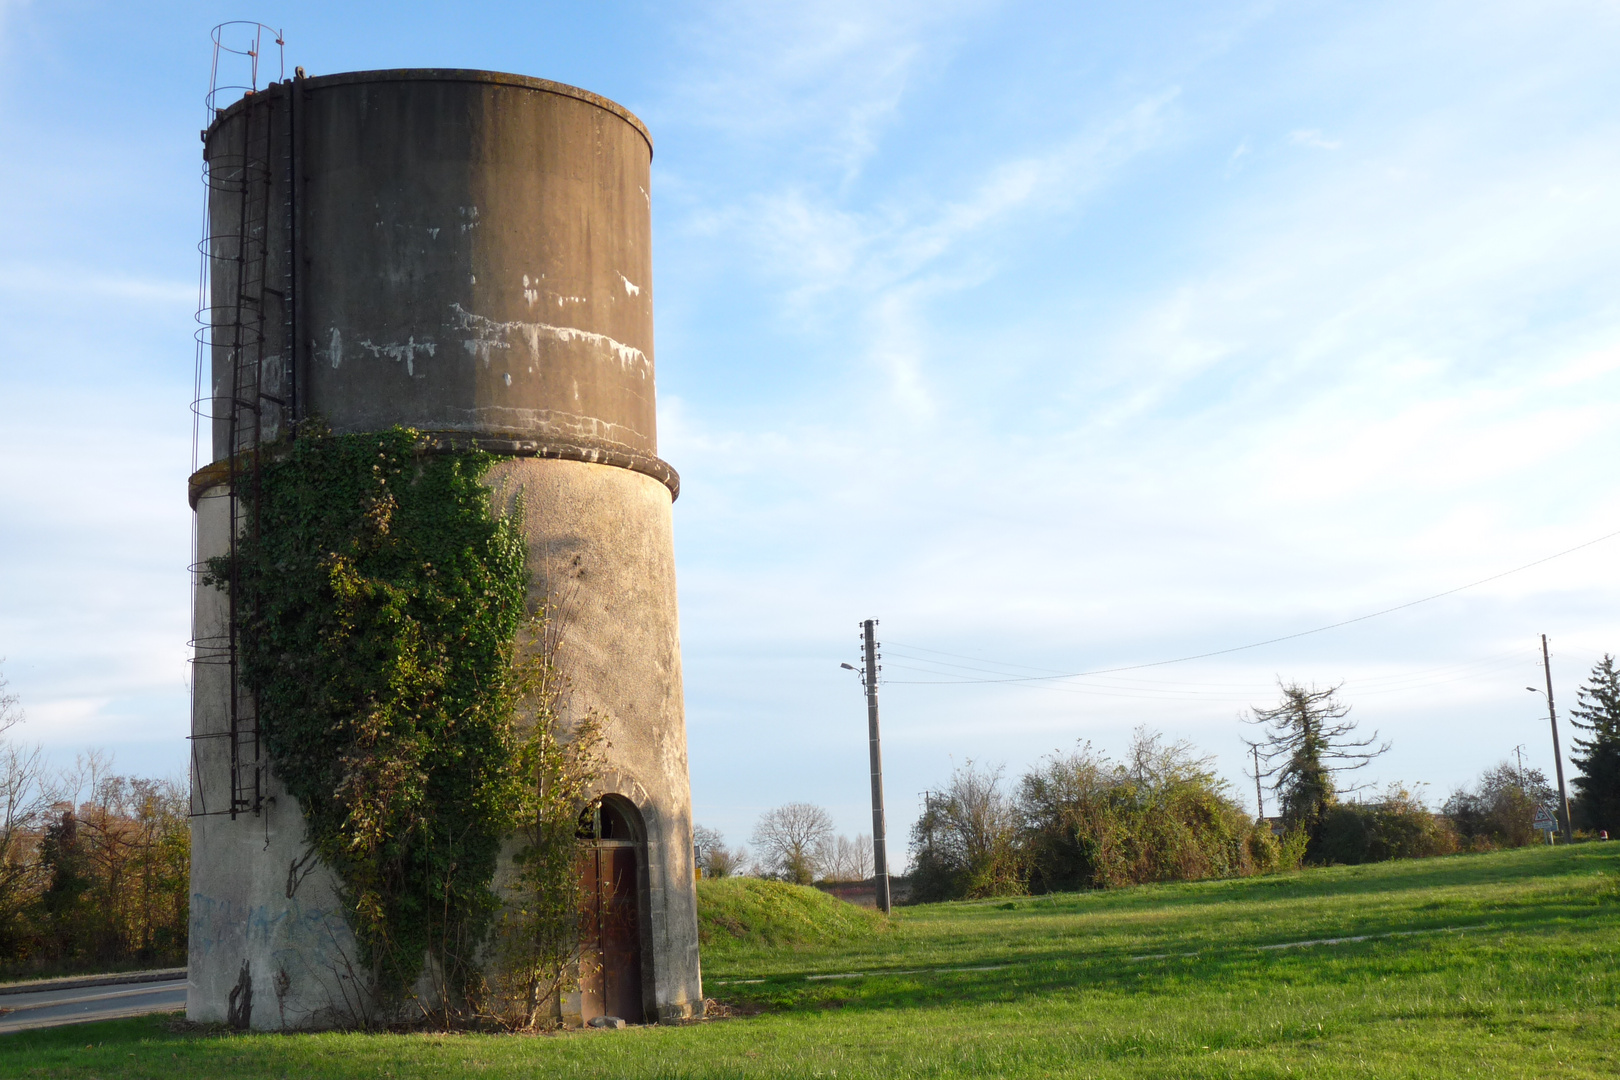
[{"x": 1597, "y": 788}]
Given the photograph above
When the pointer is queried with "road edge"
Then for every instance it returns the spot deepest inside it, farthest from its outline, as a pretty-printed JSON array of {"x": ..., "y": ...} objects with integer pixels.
[{"x": 75, "y": 981}]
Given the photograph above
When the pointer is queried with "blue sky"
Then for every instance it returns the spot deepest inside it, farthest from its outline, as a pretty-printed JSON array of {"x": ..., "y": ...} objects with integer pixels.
[{"x": 1071, "y": 336}]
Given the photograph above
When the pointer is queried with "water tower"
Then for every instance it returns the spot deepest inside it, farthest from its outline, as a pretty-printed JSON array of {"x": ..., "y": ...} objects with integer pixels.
[{"x": 468, "y": 254}]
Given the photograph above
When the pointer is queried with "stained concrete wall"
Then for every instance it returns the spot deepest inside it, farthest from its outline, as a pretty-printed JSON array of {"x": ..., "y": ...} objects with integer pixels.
[
  {"x": 470, "y": 255},
  {"x": 601, "y": 550},
  {"x": 268, "y": 940}
]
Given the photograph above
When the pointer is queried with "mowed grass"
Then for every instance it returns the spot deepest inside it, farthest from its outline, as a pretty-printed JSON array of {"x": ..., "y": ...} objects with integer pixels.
[{"x": 1484, "y": 965}]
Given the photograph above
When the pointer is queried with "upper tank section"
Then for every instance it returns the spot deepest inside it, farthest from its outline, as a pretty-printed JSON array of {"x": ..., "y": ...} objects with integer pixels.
[{"x": 471, "y": 253}]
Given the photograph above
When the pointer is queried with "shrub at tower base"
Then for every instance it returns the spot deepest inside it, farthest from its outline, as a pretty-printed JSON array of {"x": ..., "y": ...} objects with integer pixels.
[{"x": 380, "y": 605}]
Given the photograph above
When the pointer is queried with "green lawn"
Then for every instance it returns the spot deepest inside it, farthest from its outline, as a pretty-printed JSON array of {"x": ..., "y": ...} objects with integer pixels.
[{"x": 1483, "y": 965}]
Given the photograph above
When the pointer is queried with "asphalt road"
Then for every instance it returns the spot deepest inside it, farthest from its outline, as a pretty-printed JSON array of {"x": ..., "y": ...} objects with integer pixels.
[{"x": 82, "y": 1004}]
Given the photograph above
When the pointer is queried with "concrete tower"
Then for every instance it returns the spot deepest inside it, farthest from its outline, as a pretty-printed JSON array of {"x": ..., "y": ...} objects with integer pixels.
[{"x": 469, "y": 254}]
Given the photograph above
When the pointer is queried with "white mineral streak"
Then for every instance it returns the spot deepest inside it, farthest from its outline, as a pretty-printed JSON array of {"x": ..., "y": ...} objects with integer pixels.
[
  {"x": 397, "y": 352},
  {"x": 530, "y": 295},
  {"x": 630, "y": 288},
  {"x": 490, "y": 334},
  {"x": 334, "y": 348}
]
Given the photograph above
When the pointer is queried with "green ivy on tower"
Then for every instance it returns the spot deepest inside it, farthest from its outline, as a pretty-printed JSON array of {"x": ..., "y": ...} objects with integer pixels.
[{"x": 380, "y": 605}]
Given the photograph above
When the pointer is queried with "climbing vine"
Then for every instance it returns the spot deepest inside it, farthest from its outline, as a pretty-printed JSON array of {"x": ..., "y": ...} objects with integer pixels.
[
  {"x": 380, "y": 604},
  {"x": 557, "y": 764}
]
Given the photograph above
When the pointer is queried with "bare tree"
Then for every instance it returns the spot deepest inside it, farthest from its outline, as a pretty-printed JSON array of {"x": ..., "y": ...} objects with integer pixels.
[
  {"x": 789, "y": 839},
  {"x": 965, "y": 844},
  {"x": 1306, "y": 743},
  {"x": 843, "y": 859},
  {"x": 27, "y": 790},
  {"x": 1155, "y": 763},
  {"x": 716, "y": 859},
  {"x": 11, "y": 713}
]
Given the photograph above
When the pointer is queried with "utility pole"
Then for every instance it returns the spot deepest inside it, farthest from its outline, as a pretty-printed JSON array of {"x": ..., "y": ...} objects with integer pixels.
[
  {"x": 1558, "y": 754},
  {"x": 880, "y": 862},
  {"x": 1259, "y": 800},
  {"x": 1518, "y": 753}
]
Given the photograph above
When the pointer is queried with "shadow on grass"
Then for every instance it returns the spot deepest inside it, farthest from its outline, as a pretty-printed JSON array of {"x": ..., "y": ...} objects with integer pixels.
[
  {"x": 1389, "y": 877},
  {"x": 131, "y": 1031},
  {"x": 1425, "y": 931},
  {"x": 1445, "y": 956}
]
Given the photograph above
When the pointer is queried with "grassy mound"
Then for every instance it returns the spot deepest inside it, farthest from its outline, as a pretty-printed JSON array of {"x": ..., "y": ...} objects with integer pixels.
[{"x": 750, "y": 913}]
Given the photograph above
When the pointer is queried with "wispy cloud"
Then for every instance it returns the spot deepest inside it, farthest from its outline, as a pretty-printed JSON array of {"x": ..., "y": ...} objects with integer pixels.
[
  {"x": 1346, "y": 379},
  {"x": 1313, "y": 138},
  {"x": 876, "y": 268},
  {"x": 829, "y": 74}
]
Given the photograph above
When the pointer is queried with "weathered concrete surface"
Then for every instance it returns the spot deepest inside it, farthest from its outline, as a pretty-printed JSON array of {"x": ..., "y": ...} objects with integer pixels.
[
  {"x": 601, "y": 549},
  {"x": 474, "y": 255},
  {"x": 467, "y": 253},
  {"x": 261, "y": 906}
]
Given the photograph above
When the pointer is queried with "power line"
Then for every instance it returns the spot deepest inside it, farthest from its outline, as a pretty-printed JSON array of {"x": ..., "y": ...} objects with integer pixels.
[
  {"x": 1124, "y": 686},
  {"x": 1239, "y": 648},
  {"x": 1406, "y": 682}
]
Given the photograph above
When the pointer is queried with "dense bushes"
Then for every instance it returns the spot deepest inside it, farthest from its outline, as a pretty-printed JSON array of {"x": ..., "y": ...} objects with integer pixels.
[
  {"x": 1163, "y": 816},
  {"x": 1499, "y": 810},
  {"x": 1079, "y": 820},
  {"x": 1396, "y": 826}
]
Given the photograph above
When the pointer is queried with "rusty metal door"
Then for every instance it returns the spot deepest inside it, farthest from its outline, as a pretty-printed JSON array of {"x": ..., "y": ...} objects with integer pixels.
[{"x": 610, "y": 932}]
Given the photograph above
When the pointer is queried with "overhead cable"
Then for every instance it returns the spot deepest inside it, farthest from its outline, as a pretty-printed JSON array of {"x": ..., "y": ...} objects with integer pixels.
[{"x": 1253, "y": 644}]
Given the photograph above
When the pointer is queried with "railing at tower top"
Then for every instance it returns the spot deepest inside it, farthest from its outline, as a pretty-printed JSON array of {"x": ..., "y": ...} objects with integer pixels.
[
  {"x": 235, "y": 295},
  {"x": 241, "y": 43}
]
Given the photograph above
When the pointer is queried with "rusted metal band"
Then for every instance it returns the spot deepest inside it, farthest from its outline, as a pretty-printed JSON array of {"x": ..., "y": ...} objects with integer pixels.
[{"x": 591, "y": 451}]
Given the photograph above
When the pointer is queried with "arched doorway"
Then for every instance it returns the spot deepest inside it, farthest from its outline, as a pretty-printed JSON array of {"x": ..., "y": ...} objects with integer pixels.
[{"x": 610, "y": 912}]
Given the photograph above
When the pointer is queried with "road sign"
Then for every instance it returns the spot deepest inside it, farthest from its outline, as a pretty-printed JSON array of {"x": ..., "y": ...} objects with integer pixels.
[{"x": 1545, "y": 818}]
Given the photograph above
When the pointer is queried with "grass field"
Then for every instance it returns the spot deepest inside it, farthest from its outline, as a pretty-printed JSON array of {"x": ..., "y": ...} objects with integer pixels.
[{"x": 1479, "y": 965}]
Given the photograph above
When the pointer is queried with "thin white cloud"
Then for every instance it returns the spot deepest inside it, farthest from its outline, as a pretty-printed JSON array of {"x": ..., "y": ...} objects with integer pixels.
[
  {"x": 1313, "y": 138},
  {"x": 832, "y": 72},
  {"x": 1353, "y": 384}
]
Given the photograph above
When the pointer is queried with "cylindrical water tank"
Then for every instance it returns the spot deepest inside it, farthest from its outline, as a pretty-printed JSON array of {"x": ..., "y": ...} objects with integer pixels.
[{"x": 466, "y": 253}]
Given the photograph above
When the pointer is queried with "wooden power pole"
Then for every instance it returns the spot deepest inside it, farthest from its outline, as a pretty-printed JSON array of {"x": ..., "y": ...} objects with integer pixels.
[
  {"x": 880, "y": 862},
  {"x": 1259, "y": 800},
  {"x": 1558, "y": 754}
]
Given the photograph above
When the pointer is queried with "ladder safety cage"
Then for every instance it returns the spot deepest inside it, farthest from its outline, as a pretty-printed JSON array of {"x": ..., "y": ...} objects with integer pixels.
[{"x": 246, "y": 310}]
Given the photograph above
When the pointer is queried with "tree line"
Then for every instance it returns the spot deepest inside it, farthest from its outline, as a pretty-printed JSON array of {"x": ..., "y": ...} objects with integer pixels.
[
  {"x": 795, "y": 843},
  {"x": 94, "y": 867},
  {"x": 1082, "y": 820}
]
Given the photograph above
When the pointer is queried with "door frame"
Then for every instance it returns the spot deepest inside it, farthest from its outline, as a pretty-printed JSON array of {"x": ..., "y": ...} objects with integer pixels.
[{"x": 638, "y": 839}]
